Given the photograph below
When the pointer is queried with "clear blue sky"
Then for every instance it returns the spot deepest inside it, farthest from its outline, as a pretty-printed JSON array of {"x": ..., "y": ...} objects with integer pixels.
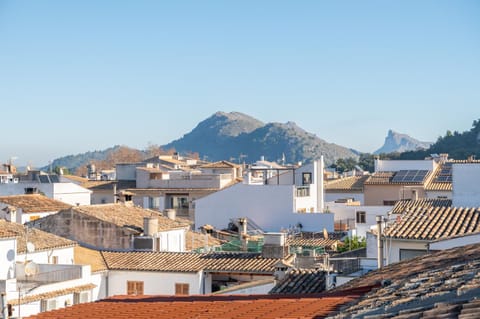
[{"x": 86, "y": 75}]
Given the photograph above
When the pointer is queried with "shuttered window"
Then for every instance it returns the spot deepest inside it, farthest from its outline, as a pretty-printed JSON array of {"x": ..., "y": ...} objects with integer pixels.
[
  {"x": 181, "y": 289},
  {"x": 134, "y": 287}
]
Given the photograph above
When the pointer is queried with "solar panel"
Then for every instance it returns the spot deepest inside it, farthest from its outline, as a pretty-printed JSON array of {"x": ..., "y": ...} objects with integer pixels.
[
  {"x": 410, "y": 176},
  {"x": 43, "y": 179},
  {"x": 445, "y": 174}
]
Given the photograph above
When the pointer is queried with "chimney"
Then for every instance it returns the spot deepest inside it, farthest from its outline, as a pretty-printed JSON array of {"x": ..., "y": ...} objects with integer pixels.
[
  {"x": 379, "y": 242},
  {"x": 443, "y": 157},
  {"x": 414, "y": 194},
  {"x": 171, "y": 213},
  {"x": 274, "y": 246},
  {"x": 242, "y": 233},
  {"x": 150, "y": 226},
  {"x": 114, "y": 193}
]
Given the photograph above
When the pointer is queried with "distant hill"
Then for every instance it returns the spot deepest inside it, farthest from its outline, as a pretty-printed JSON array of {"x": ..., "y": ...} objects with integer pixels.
[
  {"x": 72, "y": 162},
  {"x": 457, "y": 145},
  {"x": 235, "y": 135},
  {"x": 399, "y": 143}
]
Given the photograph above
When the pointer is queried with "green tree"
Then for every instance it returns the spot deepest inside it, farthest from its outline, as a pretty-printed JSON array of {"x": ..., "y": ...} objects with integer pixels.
[{"x": 352, "y": 243}]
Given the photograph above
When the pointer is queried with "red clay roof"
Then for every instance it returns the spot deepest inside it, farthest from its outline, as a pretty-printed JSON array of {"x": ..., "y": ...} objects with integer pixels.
[{"x": 225, "y": 307}]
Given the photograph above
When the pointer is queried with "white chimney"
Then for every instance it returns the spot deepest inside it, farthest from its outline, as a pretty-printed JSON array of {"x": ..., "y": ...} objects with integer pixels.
[
  {"x": 150, "y": 226},
  {"x": 379, "y": 242}
]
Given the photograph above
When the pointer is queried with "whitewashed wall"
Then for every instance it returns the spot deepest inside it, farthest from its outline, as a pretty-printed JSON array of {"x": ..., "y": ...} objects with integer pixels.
[
  {"x": 71, "y": 194},
  {"x": 269, "y": 206},
  {"x": 65, "y": 256},
  {"x": 331, "y": 197},
  {"x": 455, "y": 242},
  {"x": 397, "y": 165},
  {"x": 8, "y": 255},
  {"x": 466, "y": 186},
  {"x": 155, "y": 282}
]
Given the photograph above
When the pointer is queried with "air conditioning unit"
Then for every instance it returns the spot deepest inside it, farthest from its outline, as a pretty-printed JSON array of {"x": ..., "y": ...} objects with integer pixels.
[{"x": 143, "y": 243}]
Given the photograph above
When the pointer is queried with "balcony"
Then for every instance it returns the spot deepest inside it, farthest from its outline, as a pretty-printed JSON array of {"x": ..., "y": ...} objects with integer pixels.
[{"x": 48, "y": 273}]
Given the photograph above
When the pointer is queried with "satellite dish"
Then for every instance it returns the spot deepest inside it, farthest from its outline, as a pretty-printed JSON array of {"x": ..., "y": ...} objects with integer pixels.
[
  {"x": 31, "y": 268},
  {"x": 30, "y": 247}
]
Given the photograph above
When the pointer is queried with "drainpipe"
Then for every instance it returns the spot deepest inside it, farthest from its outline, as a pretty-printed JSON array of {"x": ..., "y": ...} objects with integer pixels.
[
  {"x": 4, "y": 305},
  {"x": 379, "y": 242}
]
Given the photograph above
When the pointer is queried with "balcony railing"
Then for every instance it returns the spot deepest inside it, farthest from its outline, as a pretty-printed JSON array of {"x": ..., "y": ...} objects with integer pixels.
[{"x": 53, "y": 276}]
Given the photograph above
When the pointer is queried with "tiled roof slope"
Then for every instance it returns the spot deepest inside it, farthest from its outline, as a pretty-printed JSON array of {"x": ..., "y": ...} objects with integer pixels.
[
  {"x": 314, "y": 242},
  {"x": 108, "y": 185},
  {"x": 301, "y": 281},
  {"x": 434, "y": 185},
  {"x": 196, "y": 240},
  {"x": 220, "y": 164},
  {"x": 86, "y": 256},
  {"x": 445, "y": 284},
  {"x": 379, "y": 178},
  {"x": 350, "y": 184},
  {"x": 42, "y": 240},
  {"x": 51, "y": 294},
  {"x": 202, "y": 307},
  {"x": 121, "y": 215},
  {"x": 34, "y": 203},
  {"x": 402, "y": 206},
  {"x": 189, "y": 262},
  {"x": 430, "y": 223}
]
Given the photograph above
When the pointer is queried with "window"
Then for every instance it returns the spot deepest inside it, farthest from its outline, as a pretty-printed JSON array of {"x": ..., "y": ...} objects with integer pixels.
[
  {"x": 48, "y": 304},
  {"x": 389, "y": 202},
  {"x": 134, "y": 287},
  {"x": 361, "y": 217},
  {"x": 30, "y": 190},
  {"x": 181, "y": 289},
  {"x": 302, "y": 191},
  {"x": 306, "y": 178},
  {"x": 81, "y": 297}
]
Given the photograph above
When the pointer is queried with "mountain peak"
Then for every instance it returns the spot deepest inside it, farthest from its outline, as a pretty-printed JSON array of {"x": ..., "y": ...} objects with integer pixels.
[
  {"x": 399, "y": 142},
  {"x": 227, "y": 135}
]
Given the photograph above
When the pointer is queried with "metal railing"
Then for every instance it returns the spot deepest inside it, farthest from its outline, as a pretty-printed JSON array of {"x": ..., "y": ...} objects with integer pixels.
[{"x": 53, "y": 276}]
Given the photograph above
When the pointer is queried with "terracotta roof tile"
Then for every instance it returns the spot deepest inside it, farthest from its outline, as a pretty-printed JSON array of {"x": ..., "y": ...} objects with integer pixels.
[
  {"x": 218, "y": 306},
  {"x": 86, "y": 256},
  {"x": 402, "y": 206},
  {"x": 121, "y": 215},
  {"x": 42, "y": 240},
  {"x": 196, "y": 240},
  {"x": 435, "y": 185},
  {"x": 108, "y": 185},
  {"x": 220, "y": 164},
  {"x": 440, "y": 285},
  {"x": 429, "y": 223},
  {"x": 352, "y": 184},
  {"x": 189, "y": 262},
  {"x": 379, "y": 178},
  {"x": 51, "y": 294},
  {"x": 34, "y": 203},
  {"x": 301, "y": 281},
  {"x": 313, "y": 242},
  {"x": 76, "y": 178}
]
